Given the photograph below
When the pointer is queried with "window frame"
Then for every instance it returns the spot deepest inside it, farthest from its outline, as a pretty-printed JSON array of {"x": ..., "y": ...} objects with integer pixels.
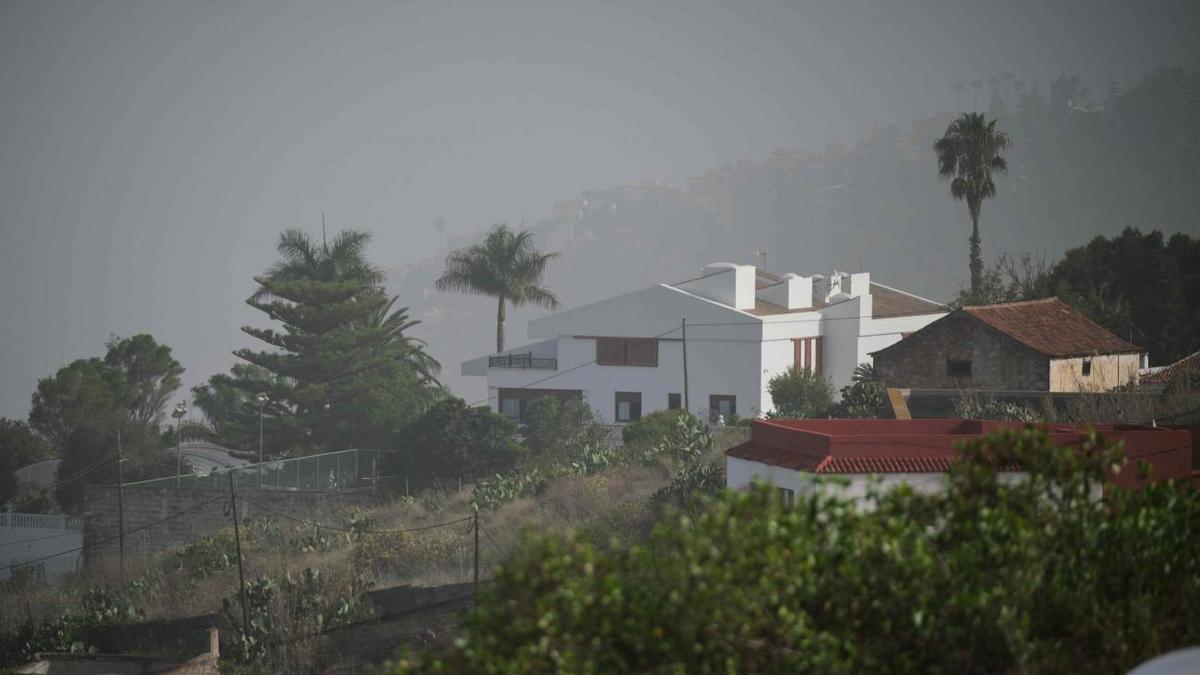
[
  {"x": 714, "y": 405},
  {"x": 674, "y": 401},
  {"x": 1086, "y": 366},
  {"x": 634, "y": 399}
]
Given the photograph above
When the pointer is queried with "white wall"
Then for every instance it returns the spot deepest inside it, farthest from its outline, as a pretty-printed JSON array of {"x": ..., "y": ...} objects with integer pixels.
[
  {"x": 840, "y": 342},
  {"x": 29, "y": 536},
  {"x": 722, "y": 359},
  {"x": 741, "y": 474}
]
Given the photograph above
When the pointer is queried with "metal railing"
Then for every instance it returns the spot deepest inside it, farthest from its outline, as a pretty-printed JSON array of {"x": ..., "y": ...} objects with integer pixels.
[
  {"x": 327, "y": 472},
  {"x": 522, "y": 361}
]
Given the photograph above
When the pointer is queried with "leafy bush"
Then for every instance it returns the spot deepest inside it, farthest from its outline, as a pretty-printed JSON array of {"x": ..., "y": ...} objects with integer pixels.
[
  {"x": 490, "y": 493},
  {"x": 452, "y": 439},
  {"x": 292, "y": 609},
  {"x": 988, "y": 576},
  {"x": 205, "y": 557},
  {"x": 67, "y": 633},
  {"x": 556, "y": 430},
  {"x": 800, "y": 393},
  {"x": 653, "y": 428},
  {"x": 706, "y": 478}
]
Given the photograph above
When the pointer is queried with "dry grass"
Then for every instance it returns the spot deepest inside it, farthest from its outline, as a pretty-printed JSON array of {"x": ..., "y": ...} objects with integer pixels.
[{"x": 609, "y": 505}]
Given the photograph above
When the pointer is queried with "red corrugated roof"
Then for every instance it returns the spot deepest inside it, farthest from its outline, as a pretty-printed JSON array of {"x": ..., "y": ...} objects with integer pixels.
[{"x": 1051, "y": 327}]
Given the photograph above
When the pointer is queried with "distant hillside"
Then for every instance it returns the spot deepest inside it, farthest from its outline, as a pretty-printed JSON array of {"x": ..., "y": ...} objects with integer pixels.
[{"x": 1078, "y": 168}]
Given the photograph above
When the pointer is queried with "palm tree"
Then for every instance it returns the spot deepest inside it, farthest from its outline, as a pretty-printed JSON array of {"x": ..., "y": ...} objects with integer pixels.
[
  {"x": 302, "y": 258},
  {"x": 505, "y": 266},
  {"x": 958, "y": 88},
  {"x": 968, "y": 154},
  {"x": 392, "y": 326}
]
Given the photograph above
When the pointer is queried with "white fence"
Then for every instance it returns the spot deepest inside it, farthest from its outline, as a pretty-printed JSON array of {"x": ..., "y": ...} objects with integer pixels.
[{"x": 46, "y": 543}]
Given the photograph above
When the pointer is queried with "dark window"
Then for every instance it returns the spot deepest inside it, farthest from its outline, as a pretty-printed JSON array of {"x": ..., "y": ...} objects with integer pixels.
[
  {"x": 628, "y": 406},
  {"x": 722, "y": 408},
  {"x": 627, "y": 352},
  {"x": 787, "y": 496},
  {"x": 958, "y": 368},
  {"x": 674, "y": 401},
  {"x": 1087, "y": 367}
]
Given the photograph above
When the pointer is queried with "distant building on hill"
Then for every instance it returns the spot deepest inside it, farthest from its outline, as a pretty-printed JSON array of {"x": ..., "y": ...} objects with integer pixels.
[{"x": 1035, "y": 345}]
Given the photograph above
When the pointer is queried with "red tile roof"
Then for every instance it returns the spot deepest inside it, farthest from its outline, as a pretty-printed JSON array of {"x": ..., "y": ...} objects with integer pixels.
[
  {"x": 930, "y": 446},
  {"x": 1190, "y": 362},
  {"x": 1051, "y": 327}
]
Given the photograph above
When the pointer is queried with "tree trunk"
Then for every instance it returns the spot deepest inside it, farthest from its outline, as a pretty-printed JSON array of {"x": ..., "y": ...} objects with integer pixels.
[
  {"x": 500, "y": 325},
  {"x": 976, "y": 259}
]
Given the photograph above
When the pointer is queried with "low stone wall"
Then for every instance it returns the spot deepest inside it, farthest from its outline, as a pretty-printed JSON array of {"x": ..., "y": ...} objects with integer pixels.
[{"x": 158, "y": 519}]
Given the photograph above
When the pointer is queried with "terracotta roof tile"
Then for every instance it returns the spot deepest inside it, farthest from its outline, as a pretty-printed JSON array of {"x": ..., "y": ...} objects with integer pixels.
[
  {"x": 1190, "y": 362},
  {"x": 1051, "y": 327}
]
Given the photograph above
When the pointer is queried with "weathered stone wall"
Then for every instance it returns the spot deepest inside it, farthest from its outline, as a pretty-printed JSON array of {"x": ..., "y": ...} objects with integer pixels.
[
  {"x": 997, "y": 362},
  {"x": 194, "y": 513}
]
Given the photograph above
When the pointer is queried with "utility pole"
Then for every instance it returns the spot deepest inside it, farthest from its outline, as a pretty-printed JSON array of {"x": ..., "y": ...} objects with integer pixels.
[
  {"x": 687, "y": 404},
  {"x": 120, "y": 506},
  {"x": 476, "y": 582},
  {"x": 237, "y": 538}
]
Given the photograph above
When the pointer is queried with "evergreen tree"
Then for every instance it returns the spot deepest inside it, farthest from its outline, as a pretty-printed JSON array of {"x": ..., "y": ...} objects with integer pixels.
[{"x": 338, "y": 372}]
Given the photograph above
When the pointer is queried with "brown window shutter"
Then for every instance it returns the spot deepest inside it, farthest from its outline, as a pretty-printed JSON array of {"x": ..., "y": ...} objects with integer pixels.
[
  {"x": 816, "y": 368},
  {"x": 641, "y": 352},
  {"x": 797, "y": 354},
  {"x": 610, "y": 351}
]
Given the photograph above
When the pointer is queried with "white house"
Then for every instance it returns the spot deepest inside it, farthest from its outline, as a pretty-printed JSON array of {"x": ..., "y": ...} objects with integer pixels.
[{"x": 626, "y": 355}]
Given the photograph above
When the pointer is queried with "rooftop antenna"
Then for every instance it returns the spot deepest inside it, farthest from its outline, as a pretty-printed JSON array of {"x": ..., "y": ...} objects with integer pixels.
[
  {"x": 860, "y": 260},
  {"x": 762, "y": 253}
]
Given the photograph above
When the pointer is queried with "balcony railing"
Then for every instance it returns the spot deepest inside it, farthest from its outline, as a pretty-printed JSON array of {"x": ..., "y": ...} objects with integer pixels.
[{"x": 522, "y": 361}]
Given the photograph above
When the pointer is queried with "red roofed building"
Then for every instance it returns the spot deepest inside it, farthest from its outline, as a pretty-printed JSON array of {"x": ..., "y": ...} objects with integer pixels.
[
  {"x": 1035, "y": 345},
  {"x": 790, "y": 453}
]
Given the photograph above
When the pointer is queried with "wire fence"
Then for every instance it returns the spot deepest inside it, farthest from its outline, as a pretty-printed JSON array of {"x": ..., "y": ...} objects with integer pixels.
[{"x": 353, "y": 469}]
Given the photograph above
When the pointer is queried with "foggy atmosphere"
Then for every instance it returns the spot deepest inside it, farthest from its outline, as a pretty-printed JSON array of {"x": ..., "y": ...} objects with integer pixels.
[{"x": 569, "y": 337}]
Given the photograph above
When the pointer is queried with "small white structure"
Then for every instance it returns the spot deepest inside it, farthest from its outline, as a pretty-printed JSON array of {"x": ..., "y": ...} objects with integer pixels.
[{"x": 625, "y": 355}]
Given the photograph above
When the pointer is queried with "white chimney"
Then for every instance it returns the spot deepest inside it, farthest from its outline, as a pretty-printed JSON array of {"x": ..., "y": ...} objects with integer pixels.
[
  {"x": 792, "y": 292},
  {"x": 726, "y": 283}
]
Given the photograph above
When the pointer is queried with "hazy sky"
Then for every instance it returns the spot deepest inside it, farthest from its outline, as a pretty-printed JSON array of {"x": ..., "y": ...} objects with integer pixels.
[{"x": 150, "y": 152}]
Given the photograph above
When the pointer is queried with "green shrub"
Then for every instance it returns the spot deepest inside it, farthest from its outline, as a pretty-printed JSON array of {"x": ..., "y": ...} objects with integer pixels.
[
  {"x": 210, "y": 555},
  {"x": 293, "y": 609},
  {"x": 103, "y": 606},
  {"x": 556, "y": 430},
  {"x": 452, "y": 439},
  {"x": 989, "y": 576},
  {"x": 865, "y": 397},
  {"x": 800, "y": 393},
  {"x": 653, "y": 428}
]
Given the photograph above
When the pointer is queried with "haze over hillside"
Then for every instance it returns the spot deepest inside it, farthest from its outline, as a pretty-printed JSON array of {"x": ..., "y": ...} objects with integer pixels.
[
  {"x": 1083, "y": 163},
  {"x": 153, "y": 152}
]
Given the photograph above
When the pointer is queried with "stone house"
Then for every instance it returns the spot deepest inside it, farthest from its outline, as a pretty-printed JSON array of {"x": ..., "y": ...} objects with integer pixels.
[{"x": 1035, "y": 345}]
